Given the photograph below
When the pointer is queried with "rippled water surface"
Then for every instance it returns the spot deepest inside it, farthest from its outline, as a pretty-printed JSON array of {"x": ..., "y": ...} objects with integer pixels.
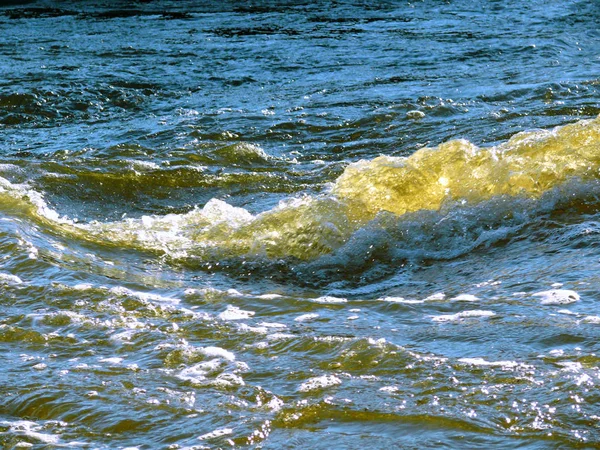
[{"x": 299, "y": 224}]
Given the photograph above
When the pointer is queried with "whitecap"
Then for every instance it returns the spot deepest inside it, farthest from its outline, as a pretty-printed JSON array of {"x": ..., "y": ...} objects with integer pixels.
[
  {"x": 113, "y": 361},
  {"x": 8, "y": 278},
  {"x": 198, "y": 372},
  {"x": 144, "y": 296},
  {"x": 30, "y": 430},
  {"x": 389, "y": 389},
  {"x": 245, "y": 328},
  {"x": 483, "y": 362},
  {"x": 219, "y": 211},
  {"x": 280, "y": 336},
  {"x": 226, "y": 380},
  {"x": 235, "y": 313},
  {"x": 322, "y": 382},
  {"x": 461, "y": 315},
  {"x": 216, "y": 433},
  {"x": 436, "y": 296},
  {"x": 272, "y": 325},
  {"x": 557, "y": 296},
  {"x": 592, "y": 319},
  {"x": 269, "y": 296},
  {"x": 465, "y": 298},
  {"x": 400, "y": 300},
  {"x": 329, "y": 299},
  {"x": 306, "y": 317},
  {"x": 218, "y": 351}
]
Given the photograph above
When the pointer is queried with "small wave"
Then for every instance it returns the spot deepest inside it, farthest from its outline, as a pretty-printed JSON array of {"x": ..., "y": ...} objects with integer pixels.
[{"x": 437, "y": 203}]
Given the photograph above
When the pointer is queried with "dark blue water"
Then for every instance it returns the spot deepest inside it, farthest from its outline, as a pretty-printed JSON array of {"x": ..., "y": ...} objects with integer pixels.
[{"x": 299, "y": 224}]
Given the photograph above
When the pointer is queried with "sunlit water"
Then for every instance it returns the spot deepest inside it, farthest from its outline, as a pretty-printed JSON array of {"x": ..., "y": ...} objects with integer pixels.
[{"x": 301, "y": 225}]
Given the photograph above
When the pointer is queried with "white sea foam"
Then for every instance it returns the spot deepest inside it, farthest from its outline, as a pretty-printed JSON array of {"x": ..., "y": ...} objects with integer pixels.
[
  {"x": 436, "y": 296},
  {"x": 83, "y": 287},
  {"x": 227, "y": 380},
  {"x": 273, "y": 325},
  {"x": 217, "y": 351},
  {"x": 269, "y": 296},
  {"x": 415, "y": 114},
  {"x": 30, "y": 430},
  {"x": 113, "y": 361},
  {"x": 144, "y": 296},
  {"x": 124, "y": 336},
  {"x": 488, "y": 283},
  {"x": 566, "y": 312},
  {"x": 389, "y": 389},
  {"x": 235, "y": 313},
  {"x": 280, "y": 336},
  {"x": 557, "y": 296},
  {"x": 571, "y": 366},
  {"x": 462, "y": 315},
  {"x": 322, "y": 382},
  {"x": 216, "y": 433},
  {"x": 219, "y": 211},
  {"x": 329, "y": 299},
  {"x": 198, "y": 372},
  {"x": 483, "y": 362},
  {"x": 143, "y": 165},
  {"x": 401, "y": 300},
  {"x": 306, "y": 317},
  {"x": 245, "y": 328},
  {"x": 8, "y": 278},
  {"x": 592, "y": 319},
  {"x": 275, "y": 404},
  {"x": 9, "y": 168},
  {"x": 584, "y": 379},
  {"x": 465, "y": 298}
]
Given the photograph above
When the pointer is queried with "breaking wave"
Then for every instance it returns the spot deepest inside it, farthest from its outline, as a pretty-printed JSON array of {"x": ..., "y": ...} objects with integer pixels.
[{"x": 437, "y": 203}]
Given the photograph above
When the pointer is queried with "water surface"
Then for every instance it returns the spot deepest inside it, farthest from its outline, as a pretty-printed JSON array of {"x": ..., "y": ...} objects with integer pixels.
[{"x": 299, "y": 225}]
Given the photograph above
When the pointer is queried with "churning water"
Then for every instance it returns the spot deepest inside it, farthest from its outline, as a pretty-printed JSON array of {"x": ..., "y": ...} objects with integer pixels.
[{"x": 299, "y": 224}]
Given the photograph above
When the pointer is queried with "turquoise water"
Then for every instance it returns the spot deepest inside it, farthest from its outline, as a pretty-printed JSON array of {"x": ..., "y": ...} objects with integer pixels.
[{"x": 299, "y": 225}]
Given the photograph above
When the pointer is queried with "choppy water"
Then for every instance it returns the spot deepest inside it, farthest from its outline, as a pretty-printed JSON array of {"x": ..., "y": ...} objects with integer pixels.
[{"x": 299, "y": 225}]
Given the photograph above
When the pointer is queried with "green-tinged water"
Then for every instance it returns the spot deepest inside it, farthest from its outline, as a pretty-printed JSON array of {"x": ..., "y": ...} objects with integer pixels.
[{"x": 299, "y": 225}]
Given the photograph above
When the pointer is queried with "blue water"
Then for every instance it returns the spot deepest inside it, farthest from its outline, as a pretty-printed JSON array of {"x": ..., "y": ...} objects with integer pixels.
[{"x": 184, "y": 263}]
